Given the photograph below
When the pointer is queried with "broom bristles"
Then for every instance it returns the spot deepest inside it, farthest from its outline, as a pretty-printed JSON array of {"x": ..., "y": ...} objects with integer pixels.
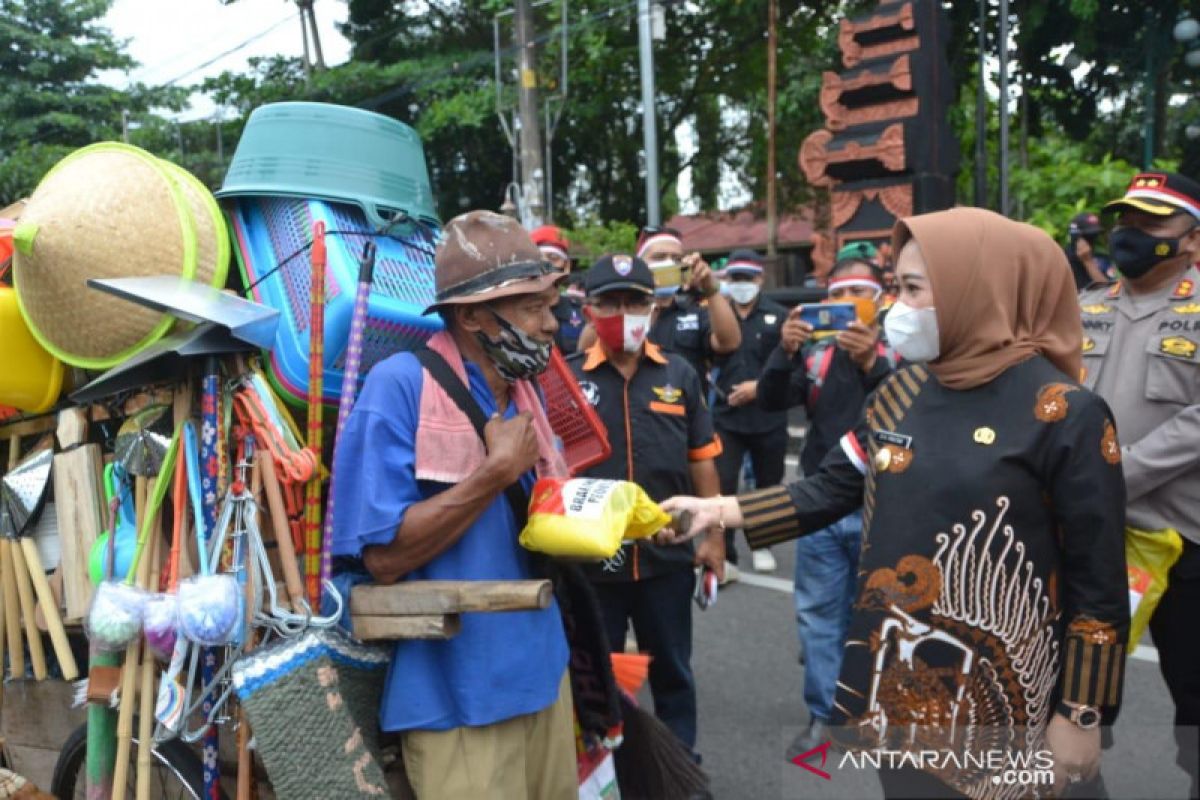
[
  {"x": 651, "y": 763},
  {"x": 631, "y": 671}
]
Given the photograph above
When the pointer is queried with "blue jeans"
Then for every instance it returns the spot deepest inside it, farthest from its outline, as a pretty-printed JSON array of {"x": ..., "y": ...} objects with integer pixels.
[{"x": 826, "y": 576}]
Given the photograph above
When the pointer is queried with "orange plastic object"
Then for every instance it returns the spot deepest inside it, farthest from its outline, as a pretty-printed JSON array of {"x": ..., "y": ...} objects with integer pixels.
[{"x": 32, "y": 378}]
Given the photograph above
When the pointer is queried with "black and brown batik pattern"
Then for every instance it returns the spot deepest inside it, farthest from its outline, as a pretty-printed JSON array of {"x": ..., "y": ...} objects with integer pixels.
[{"x": 992, "y": 578}]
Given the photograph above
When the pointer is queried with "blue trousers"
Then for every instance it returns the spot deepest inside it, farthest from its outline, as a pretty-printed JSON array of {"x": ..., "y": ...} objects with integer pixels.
[
  {"x": 826, "y": 576},
  {"x": 660, "y": 609}
]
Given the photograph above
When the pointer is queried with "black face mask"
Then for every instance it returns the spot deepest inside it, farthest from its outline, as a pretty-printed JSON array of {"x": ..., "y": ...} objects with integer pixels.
[{"x": 1137, "y": 252}]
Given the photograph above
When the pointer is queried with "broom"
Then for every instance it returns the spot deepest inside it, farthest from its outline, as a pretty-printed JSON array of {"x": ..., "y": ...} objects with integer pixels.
[{"x": 652, "y": 764}]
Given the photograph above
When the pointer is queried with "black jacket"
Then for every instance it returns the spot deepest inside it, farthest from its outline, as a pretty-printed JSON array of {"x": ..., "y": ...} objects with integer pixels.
[{"x": 833, "y": 400}]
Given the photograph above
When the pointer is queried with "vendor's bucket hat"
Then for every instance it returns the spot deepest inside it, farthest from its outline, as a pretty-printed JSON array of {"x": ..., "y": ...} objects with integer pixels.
[
  {"x": 105, "y": 211},
  {"x": 485, "y": 256}
]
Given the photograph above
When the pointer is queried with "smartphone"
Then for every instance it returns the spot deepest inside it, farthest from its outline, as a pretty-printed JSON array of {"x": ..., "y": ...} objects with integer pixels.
[{"x": 828, "y": 316}]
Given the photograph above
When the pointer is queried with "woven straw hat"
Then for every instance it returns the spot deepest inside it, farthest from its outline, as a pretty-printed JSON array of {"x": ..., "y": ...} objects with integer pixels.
[
  {"x": 212, "y": 237},
  {"x": 108, "y": 210}
]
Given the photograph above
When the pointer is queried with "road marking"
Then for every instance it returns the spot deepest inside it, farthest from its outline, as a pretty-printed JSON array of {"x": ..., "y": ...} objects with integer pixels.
[{"x": 1144, "y": 652}]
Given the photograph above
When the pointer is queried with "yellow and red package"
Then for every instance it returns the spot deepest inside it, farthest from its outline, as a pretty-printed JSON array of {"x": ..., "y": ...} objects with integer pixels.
[{"x": 588, "y": 518}]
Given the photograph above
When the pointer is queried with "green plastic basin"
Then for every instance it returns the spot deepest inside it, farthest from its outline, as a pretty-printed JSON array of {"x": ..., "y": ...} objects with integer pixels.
[{"x": 330, "y": 152}]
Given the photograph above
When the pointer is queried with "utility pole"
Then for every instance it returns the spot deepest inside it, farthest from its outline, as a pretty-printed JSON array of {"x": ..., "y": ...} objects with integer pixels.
[
  {"x": 1004, "y": 209},
  {"x": 649, "y": 123},
  {"x": 532, "y": 171},
  {"x": 772, "y": 211},
  {"x": 981, "y": 199}
]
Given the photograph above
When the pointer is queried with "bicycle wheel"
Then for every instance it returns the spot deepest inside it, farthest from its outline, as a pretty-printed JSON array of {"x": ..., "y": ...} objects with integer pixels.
[{"x": 178, "y": 773}]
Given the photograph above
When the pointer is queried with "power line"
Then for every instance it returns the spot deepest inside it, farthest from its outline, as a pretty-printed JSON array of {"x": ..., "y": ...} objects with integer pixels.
[{"x": 230, "y": 51}]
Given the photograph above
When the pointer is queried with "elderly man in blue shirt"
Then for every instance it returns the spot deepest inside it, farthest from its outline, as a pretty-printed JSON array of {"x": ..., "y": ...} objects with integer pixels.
[{"x": 421, "y": 495}]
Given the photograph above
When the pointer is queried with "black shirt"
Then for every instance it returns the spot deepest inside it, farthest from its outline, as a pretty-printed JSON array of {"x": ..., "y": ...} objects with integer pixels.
[
  {"x": 684, "y": 328},
  {"x": 992, "y": 575},
  {"x": 569, "y": 313},
  {"x": 658, "y": 422},
  {"x": 826, "y": 381},
  {"x": 760, "y": 336}
]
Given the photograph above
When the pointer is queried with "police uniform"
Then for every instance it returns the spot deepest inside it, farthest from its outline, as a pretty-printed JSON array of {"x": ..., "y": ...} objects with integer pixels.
[
  {"x": 1141, "y": 353},
  {"x": 658, "y": 423}
]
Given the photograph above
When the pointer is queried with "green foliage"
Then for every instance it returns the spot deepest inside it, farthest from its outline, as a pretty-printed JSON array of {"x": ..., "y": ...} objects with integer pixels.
[
  {"x": 52, "y": 102},
  {"x": 590, "y": 241},
  {"x": 1062, "y": 181}
]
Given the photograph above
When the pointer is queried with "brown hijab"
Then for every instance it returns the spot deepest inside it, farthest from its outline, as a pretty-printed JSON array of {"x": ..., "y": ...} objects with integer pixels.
[{"x": 1003, "y": 292}]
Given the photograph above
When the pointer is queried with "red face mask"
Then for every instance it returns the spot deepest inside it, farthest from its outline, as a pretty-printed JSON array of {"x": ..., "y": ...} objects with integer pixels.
[{"x": 621, "y": 332}]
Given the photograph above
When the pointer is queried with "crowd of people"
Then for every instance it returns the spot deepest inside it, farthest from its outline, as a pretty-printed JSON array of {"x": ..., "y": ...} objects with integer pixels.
[{"x": 990, "y": 417}]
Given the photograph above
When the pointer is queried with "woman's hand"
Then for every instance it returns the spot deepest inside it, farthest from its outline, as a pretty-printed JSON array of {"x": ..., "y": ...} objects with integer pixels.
[
  {"x": 694, "y": 515},
  {"x": 1076, "y": 752}
]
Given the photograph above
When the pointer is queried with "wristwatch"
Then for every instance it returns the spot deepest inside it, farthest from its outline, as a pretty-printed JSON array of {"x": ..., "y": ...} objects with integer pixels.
[{"x": 1086, "y": 717}]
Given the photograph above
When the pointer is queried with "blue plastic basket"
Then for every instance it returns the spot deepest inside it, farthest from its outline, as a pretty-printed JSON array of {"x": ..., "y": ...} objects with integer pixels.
[{"x": 268, "y": 231}]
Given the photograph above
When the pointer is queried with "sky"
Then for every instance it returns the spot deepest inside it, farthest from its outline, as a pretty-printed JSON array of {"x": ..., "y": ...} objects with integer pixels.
[
  {"x": 175, "y": 39},
  {"x": 186, "y": 41}
]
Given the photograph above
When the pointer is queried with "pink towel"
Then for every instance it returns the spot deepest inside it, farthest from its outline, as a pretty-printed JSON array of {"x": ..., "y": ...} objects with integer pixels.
[{"x": 447, "y": 447}]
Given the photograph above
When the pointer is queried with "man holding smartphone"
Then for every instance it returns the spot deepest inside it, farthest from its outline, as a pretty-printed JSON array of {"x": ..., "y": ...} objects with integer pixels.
[{"x": 831, "y": 378}]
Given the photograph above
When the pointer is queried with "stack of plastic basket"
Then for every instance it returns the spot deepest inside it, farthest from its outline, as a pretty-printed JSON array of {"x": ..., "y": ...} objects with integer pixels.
[{"x": 364, "y": 176}]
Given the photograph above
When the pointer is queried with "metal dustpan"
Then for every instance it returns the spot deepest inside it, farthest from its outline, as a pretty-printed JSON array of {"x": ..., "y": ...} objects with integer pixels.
[
  {"x": 143, "y": 441},
  {"x": 164, "y": 361},
  {"x": 246, "y": 320},
  {"x": 23, "y": 492}
]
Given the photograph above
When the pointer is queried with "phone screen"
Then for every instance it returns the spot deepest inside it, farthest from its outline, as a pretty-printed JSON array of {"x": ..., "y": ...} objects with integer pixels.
[{"x": 828, "y": 316}]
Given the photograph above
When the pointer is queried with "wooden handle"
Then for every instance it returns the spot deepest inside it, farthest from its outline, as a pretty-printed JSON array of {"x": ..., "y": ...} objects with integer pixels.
[
  {"x": 429, "y": 626},
  {"x": 37, "y": 653},
  {"x": 145, "y": 763},
  {"x": 130, "y": 671},
  {"x": 12, "y": 610},
  {"x": 49, "y": 604},
  {"x": 8, "y": 583},
  {"x": 450, "y": 597},
  {"x": 283, "y": 537},
  {"x": 125, "y": 720}
]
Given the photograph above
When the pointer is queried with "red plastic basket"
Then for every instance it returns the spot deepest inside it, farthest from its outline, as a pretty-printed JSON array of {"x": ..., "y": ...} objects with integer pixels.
[{"x": 575, "y": 422}]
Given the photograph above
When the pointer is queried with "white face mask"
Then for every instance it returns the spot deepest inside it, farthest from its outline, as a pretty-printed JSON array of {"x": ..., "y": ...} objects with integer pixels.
[
  {"x": 743, "y": 292},
  {"x": 913, "y": 332}
]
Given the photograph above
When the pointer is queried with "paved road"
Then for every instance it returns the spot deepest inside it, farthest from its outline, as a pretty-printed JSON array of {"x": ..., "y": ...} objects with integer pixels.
[{"x": 751, "y": 707}]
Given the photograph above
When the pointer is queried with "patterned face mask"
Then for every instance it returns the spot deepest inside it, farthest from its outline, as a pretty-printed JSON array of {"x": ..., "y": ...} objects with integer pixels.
[{"x": 515, "y": 354}]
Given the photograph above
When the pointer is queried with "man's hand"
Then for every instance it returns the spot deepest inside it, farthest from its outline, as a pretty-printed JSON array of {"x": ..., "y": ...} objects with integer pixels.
[
  {"x": 859, "y": 341},
  {"x": 1083, "y": 249},
  {"x": 794, "y": 332},
  {"x": 1076, "y": 752},
  {"x": 711, "y": 553},
  {"x": 702, "y": 280},
  {"x": 511, "y": 445},
  {"x": 743, "y": 393}
]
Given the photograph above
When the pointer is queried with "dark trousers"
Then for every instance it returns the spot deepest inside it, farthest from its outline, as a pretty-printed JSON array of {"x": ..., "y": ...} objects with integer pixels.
[
  {"x": 767, "y": 451},
  {"x": 1173, "y": 627},
  {"x": 661, "y": 611}
]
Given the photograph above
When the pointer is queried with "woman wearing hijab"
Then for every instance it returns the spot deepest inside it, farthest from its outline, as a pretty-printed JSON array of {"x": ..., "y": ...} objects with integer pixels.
[{"x": 992, "y": 611}]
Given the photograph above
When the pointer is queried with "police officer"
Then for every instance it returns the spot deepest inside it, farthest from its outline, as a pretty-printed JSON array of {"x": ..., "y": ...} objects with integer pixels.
[
  {"x": 662, "y": 438},
  {"x": 1141, "y": 353}
]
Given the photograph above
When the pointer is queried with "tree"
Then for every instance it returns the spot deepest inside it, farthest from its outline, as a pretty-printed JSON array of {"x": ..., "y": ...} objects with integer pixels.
[{"x": 51, "y": 52}]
